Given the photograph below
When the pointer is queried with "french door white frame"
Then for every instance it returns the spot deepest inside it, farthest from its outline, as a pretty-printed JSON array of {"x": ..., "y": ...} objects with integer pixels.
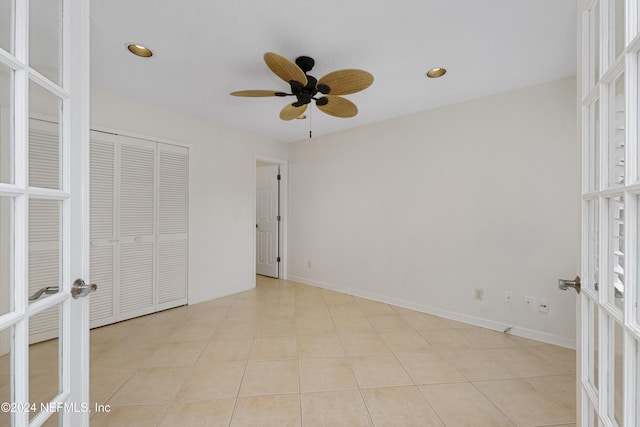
[
  {"x": 609, "y": 322},
  {"x": 73, "y": 93}
]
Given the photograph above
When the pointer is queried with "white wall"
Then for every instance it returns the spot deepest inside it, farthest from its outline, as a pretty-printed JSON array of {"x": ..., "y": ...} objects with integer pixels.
[
  {"x": 421, "y": 210},
  {"x": 222, "y": 188}
]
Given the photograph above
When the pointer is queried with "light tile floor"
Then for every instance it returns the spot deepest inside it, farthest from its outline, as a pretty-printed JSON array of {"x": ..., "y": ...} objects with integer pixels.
[{"x": 286, "y": 354}]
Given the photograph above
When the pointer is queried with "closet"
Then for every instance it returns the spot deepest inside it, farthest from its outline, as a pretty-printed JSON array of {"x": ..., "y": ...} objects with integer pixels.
[{"x": 139, "y": 225}]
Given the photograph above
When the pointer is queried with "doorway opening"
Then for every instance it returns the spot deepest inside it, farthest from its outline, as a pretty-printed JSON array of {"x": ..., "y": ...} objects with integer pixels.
[{"x": 270, "y": 227}]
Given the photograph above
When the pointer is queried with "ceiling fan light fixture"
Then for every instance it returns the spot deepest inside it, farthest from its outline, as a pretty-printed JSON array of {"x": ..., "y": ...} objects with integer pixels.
[
  {"x": 434, "y": 73},
  {"x": 301, "y": 117},
  {"x": 139, "y": 50}
]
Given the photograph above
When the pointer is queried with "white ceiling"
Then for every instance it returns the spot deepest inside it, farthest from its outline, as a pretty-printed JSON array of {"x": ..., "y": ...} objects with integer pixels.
[{"x": 205, "y": 49}]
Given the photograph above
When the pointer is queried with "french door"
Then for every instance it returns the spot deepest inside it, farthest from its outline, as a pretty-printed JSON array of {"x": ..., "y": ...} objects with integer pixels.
[
  {"x": 609, "y": 75},
  {"x": 44, "y": 73}
]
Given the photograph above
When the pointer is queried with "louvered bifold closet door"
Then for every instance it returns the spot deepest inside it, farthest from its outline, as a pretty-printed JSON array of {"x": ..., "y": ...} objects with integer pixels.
[
  {"x": 137, "y": 209},
  {"x": 103, "y": 248},
  {"x": 173, "y": 225},
  {"x": 44, "y": 223}
]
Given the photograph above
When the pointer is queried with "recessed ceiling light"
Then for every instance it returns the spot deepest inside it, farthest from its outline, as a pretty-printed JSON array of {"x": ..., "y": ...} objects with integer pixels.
[
  {"x": 139, "y": 50},
  {"x": 436, "y": 72}
]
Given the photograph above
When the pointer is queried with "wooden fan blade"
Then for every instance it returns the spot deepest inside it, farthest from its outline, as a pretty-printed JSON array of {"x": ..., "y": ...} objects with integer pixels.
[
  {"x": 338, "y": 106},
  {"x": 255, "y": 93},
  {"x": 344, "y": 82},
  {"x": 289, "y": 112},
  {"x": 284, "y": 68}
]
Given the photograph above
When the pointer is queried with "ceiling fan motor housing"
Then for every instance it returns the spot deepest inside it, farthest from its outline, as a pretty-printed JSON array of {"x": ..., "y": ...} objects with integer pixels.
[
  {"x": 305, "y": 63},
  {"x": 306, "y": 93}
]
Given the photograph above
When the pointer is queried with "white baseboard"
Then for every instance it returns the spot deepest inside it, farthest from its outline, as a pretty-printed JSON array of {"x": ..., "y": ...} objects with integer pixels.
[
  {"x": 227, "y": 292},
  {"x": 459, "y": 317}
]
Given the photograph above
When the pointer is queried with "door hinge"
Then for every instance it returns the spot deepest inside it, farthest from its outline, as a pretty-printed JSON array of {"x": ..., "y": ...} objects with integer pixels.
[
  {"x": 278, "y": 259},
  {"x": 279, "y": 177},
  {"x": 278, "y": 218}
]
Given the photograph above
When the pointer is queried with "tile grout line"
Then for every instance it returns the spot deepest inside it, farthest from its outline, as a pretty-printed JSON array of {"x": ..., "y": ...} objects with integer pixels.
[
  {"x": 246, "y": 365},
  {"x": 283, "y": 298}
]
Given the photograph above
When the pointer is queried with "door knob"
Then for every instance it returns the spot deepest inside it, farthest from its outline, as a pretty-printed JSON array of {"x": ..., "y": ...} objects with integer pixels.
[
  {"x": 563, "y": 284},
  {"x": 81, "y": 289}
]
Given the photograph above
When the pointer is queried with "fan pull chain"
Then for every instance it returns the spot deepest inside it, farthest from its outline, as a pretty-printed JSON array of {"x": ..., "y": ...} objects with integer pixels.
[{"x": 310, "y": 123}]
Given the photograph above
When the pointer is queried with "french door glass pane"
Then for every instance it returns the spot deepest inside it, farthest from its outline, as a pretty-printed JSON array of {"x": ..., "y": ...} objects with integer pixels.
[
  {"x": 594, "y": 44},
  {"x": 616, "y": 278},
  {"x": 615, "y": 366},
  {"x": 616, "y": 132},
  {"x": 593, "y": 352},
  {"x": 45, "y": 38},
  {"x": 593, "y": 152},
  {"x": 45, "y": 152},
  {"x": 44, "y": 247},
  {"x": 6, "y": 252},
  {"x": 618, "y": 14},
  {"x": 592, "y": 242},
  {"x": 6, "y": 25},
  {"x": 5, "y": 373},
  {"x": 44, "y": 359},
  {"x": 6, "y": 130}
]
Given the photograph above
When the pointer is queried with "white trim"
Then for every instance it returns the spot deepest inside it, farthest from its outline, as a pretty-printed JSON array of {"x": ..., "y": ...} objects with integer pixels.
[
  {"x": 459, "y": 317},
  {"x": 76, "y": 312},
  {"x": 48, "y": 85},
  {"x": 10, "y": 61},
  {"x": 152, "y": 138}
]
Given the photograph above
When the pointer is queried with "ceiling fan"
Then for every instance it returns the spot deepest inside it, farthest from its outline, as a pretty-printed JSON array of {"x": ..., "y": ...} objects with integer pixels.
[{"x": 306, "y": 88}]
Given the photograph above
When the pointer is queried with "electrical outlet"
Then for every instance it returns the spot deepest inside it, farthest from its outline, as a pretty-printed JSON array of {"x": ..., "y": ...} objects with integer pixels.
[
  {"x": 479, "y": 294},
  {"x": 529, "y": 302},
  {"x": 543, "y": 306},
  {"x": 508, "y": 295}
]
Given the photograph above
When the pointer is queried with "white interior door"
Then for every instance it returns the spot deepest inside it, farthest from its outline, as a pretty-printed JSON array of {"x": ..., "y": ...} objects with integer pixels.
[
  {"x": 609, "y": 348},
  {"x": 44, "y": 72},
  {"x": 267, "y": 218}
]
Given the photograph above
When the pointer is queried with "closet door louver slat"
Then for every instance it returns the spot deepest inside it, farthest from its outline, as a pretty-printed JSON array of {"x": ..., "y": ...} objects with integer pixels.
[
  {"x": 174, "y": 192},
  {"x": 173, "y": 225},
  {"x": 137, "y": 191},
  {"x": 44, "y": 154},
  {"x": 102, "y": 261},
  {"x": 102, "y": 187},
  {"x": 102, "y": 231},
  {"x": 172, "y": 271},
  {"x": 137, "y": 217},
  {"x": 136, "y": 279}
]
